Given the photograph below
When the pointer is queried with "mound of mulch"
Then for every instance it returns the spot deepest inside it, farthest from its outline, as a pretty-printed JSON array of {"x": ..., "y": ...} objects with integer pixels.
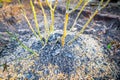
[{"x": 88, "y": 57}]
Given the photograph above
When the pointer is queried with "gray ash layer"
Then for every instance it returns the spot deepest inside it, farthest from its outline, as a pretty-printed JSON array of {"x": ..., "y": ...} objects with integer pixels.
[{"x": 84, "y": 52}]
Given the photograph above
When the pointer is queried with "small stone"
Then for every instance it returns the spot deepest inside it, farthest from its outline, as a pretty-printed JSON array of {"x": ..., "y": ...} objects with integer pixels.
[
  {"x": 46, "y": 72},
  {"x": 56, "y": 52},
  {"x": 68, "y": 55},
  {"x": 57, "y": 71}
]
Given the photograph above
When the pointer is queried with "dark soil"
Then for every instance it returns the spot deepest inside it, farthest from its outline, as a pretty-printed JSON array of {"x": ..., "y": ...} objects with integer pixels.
[{"x": 87, "y": 56}]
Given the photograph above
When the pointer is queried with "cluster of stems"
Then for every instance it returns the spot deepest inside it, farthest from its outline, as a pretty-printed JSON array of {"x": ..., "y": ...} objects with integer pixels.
[
  {"x": 50, "y": 29},
  {"x": 52, "y": 7},
  {"x": 83, "y": 3}
]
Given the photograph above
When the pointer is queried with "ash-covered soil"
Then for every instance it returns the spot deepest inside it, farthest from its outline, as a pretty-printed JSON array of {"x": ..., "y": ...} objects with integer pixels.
[{"x": 86, "y": 58}]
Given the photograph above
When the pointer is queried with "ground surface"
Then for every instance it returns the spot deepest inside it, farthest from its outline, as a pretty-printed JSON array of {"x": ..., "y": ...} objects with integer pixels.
[{"x": 86, "y": 58}]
